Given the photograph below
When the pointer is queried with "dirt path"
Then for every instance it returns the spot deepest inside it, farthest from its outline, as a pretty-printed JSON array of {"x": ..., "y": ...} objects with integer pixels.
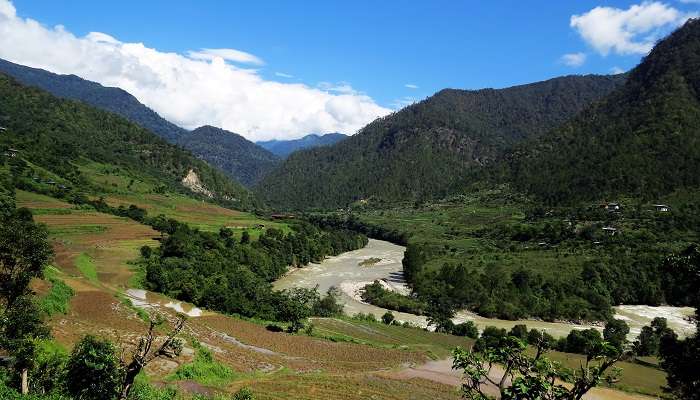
[{"x": 441, "y": 371}]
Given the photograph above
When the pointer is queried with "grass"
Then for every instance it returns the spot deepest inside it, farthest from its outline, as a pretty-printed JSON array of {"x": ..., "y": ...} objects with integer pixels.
[
  {"x": 377, "y": 334},
  {"x": 57, "y": 301},
  {"x": 204, "y": 369},
  {"x": 636, "y": 378},
  {"x": 86, "y": 267}
]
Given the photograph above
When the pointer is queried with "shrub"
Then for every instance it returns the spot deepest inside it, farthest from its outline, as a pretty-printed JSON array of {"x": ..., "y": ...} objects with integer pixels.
[
  {"x": 467, "y": 329},
  {"x": 93, "y": 371}
]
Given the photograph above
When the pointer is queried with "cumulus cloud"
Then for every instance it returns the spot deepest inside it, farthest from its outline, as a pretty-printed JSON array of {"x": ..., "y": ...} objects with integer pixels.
[
  {"x": 226, "y": 54},
  {"x": 206, "y": 86},
  {"x": 403, "y": 102},
  {"x": 283, "y": 75},
  {"x": 630, "y": 31},
  {"x": 411, "y": 86},
  {"x": 573, "y": 59}
]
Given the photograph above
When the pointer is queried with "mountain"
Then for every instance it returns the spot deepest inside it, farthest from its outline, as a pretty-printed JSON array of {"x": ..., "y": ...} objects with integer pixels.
[
  {"x": 429, "y": 149},
  {"x": 283, "y": 148},
  {"x": 642, "y": 140},
  {"x": 58, "y": 138},
  {"x": 238, "y": 157},
  {"x": 110, "y": 99}
]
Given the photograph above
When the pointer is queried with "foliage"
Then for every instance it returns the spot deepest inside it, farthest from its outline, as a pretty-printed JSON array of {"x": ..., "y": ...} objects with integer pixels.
[
  {"x": 641, "y": 140},
  {"x": 215, "y": 272},
  {"x": 388, "y": 318},
  {"x": 467, "y": 328},
  {"x": 24, "y": 252},
  {"x": 428, "y": 149},
  {"x": 377, "y": 295},
  {"x": 615, "y": 333},
  {"x": 529, "y": 377},
  {"x": 649, "y": 339},
  {"x": 681, "y": 358},
  {"x": 204, "y": 369},
  {"x": 58, "y": 299},
  {"x": 50, "y": 133},
  {"x": 93, "y": 371},
  {"x": 240, "y": 158},
  {"x": 48, "y": 374}
]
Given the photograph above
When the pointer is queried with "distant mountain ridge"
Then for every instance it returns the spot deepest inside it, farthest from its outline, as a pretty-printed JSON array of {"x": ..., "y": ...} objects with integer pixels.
[
  {"x": 283, "y": 148},
  {"x": 239, "y": 158},
  {"x": 218, "y": 146},
  {"x": 429, "y": 149}
]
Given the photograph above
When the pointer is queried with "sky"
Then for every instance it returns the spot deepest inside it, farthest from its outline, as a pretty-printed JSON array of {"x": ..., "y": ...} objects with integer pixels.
[{"x": 283, "y": 69}]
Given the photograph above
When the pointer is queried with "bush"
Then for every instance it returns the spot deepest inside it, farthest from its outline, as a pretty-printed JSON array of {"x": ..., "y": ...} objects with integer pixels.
[
  {"x": 491, "y": 337},
  {"x": 93, "y": 371},
  {"x": 467, "y": 329},
  {"x": 274, "y": 328},
  {"x": 388, "y": 318},
  {"x": 519, "y": 331}
]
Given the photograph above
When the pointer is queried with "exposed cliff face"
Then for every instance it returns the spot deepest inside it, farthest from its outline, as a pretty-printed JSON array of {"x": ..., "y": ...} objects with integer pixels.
[{"x": 192, "y": 182}]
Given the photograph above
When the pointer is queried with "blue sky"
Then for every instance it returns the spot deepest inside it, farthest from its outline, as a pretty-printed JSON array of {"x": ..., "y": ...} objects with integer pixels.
[{"x": 379, "y": 47}]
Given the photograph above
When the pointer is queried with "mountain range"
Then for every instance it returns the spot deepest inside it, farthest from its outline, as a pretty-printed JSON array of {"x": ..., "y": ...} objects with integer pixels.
[
  {"x": 283, "y": 148},
  {"x": 563, "y": 140},
  {"x": 641, "y": 140},
  {"x": 238, "y": 157},
  {"x": 50, "y": 140},
  {"x": 429, "y": 149}
]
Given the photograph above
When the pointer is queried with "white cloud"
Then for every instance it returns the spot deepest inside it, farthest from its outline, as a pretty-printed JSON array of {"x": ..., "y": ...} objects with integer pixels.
[
  {"x": 630, "y": 31},
  {"x": 191, "y": 90},
  {"x": 411, "y": 86},
  {"x": 616, "y": 70},
  {"x": 403, "y": 102},
  {"x": 283, "y": 75},
  {"x": 225, "y": 54},
  {"x": 573, "y": 59}
]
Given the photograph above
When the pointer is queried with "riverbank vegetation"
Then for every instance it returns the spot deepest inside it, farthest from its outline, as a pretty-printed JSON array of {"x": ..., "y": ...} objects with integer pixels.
[
  {"x": 503, "y": 255},
  {"x": 220, "y": 273}
]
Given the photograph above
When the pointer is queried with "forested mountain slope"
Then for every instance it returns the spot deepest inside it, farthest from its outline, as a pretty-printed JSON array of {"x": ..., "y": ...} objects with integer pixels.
[
  {"x": 237, "y": 157},
  {"x": 642, "y": 140},
  {"x": 56, "y": 135},
  {"x": 283, "y": 148},
  {"x": 110, "y": 99},
  {"x": 427, "y": 149},
  {"x": 240, "y": 158}
]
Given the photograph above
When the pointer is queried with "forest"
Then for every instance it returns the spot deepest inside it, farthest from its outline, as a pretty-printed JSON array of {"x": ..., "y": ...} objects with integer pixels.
[{"x": 50, "y": 133}]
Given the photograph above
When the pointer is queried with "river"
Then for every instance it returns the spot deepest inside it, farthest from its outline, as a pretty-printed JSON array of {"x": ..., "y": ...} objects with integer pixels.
[{"x": 346, "y": 273}]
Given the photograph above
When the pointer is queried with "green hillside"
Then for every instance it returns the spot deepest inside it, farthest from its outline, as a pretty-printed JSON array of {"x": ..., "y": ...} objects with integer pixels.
[
  {"x": 642, "y": 140},
  {"x": 50, "y": 138},
  {"x": 241, "y": 159},
  {"x": 428, "y": 149}
]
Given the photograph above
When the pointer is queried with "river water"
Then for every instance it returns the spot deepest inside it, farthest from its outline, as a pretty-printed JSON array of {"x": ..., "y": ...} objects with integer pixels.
[{"x": 346, "y": 273}]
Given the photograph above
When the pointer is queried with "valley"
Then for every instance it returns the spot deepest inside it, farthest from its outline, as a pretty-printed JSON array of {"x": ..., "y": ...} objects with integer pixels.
[{"x": 195, "y": 241}]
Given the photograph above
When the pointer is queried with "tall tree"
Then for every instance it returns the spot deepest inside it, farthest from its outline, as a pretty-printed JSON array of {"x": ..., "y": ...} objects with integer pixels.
[{"x": 24, "y": 251}]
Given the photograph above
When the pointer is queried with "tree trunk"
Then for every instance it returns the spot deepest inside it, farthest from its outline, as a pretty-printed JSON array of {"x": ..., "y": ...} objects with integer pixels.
[
  {"x": 131, "y": 373},
  {"x": 25, "y": 381}
]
